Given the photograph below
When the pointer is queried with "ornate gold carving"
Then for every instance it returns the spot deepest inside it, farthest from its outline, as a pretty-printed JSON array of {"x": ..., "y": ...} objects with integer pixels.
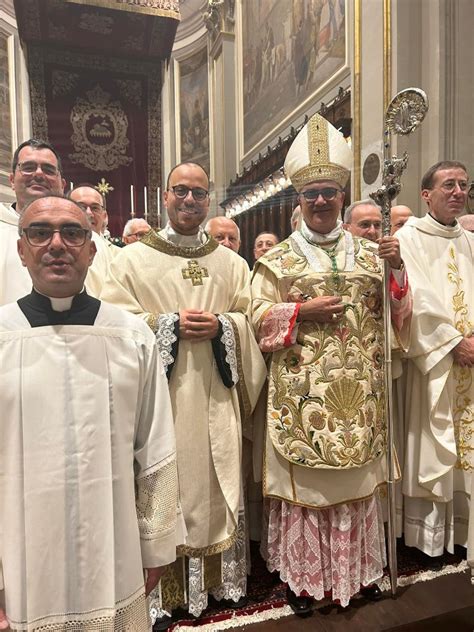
[
  {"x": 154, "y": 240},
  {"x": 100, "y": 132},
  {"x": 194, "y": 272},
  {"x": 158, "y": 8}
]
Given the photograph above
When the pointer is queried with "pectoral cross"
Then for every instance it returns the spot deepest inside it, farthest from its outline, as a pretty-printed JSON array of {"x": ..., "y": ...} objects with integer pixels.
[{"x": 194, "y": 272}]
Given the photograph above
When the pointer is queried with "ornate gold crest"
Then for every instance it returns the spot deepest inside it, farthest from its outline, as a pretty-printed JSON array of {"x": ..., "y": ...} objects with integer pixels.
[{"x": 100, "y": 132}]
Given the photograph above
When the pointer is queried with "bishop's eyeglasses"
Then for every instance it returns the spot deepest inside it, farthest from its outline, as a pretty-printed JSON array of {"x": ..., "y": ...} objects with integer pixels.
[
  {"x": 42, "y": 235},
  {"x": 328, "y": 193}
]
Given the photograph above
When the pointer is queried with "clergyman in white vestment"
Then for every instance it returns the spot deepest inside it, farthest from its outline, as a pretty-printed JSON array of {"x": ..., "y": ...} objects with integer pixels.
[
  {"x": 88, "y": 475},
  {"x": 439, "y": 411},
  {"x": 194, "y": 294},
  {"x": 36, "y": 171}
]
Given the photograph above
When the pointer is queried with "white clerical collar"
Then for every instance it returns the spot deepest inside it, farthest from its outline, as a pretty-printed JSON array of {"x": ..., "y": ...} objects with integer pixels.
[
  {"x": 60, "y": 304},
  {"x": 319, "y": 238},
  {"x": 442, "y": 229},
  {"x": 188, "y": 241}
]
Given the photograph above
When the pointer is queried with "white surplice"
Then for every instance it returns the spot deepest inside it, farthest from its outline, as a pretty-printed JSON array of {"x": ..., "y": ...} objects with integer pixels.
[
  {"x": 439, "y": 412},
  {"x": 15, "y": 281},
  {"x": 88, "y": 476}
]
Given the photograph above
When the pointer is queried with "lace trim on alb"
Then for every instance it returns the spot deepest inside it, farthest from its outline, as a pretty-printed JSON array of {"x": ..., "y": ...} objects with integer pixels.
[
  {"x": 166, "y": 337},
  {"x": 315, "y": 263},
  {"x": 228, "y": 340}
]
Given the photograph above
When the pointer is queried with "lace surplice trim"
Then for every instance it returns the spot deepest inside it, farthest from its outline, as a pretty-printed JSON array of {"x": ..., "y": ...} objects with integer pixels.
[
  {"x": 166, "y": 337},
  {"x": 277, "y": 329},
  {"x": 127, "y": 618},
  {"x": 156, "y": 500},
  {"x": 228, "y": 340}
]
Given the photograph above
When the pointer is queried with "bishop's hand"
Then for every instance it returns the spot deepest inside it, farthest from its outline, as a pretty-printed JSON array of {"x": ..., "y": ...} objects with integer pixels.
[{"x": 322, "y": 309}]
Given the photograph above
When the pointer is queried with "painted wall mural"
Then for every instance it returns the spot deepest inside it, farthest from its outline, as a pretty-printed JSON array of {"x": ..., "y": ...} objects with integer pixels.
[
  {"x": 194, "y": 109},
  {"x": 289, "y": 49},
  {"x": 5, "y": 113}
]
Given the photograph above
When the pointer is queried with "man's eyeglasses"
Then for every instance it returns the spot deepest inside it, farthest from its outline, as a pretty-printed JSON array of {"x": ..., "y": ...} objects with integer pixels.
[
  {"x": 42, "y": 235},
  {"x": 29, "y": 168},
  {"x": 95, "y": 208},
  {"x": 328, "y": 193},
  {"x": 450, "y": 185},
  {"x": 181, "y": 191}
]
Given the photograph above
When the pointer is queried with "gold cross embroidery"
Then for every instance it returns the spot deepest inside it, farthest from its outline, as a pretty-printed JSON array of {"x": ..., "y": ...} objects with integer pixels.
[{"x": 194, "y": 272}]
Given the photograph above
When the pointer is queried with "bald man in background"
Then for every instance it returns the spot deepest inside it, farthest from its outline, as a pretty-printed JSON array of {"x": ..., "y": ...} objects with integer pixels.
[
  {"x": 467, "y": 222},
  {"x": 399, "y": 215},
  {"x": 364, "y": 219},
  {"x": 225, "y": 231}
]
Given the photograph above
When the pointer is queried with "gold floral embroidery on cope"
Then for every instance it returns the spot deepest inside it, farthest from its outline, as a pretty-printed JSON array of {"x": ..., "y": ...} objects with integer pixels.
[
  {"x": 463, "y": 413},
  {"x": 326, "y": 393}
]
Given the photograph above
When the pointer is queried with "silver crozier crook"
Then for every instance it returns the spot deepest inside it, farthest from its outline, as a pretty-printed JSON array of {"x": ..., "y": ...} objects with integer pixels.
[{"x": 406, "y": 111}]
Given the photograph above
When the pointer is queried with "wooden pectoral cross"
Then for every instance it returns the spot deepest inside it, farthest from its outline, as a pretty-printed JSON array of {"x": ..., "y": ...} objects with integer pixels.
[{"x": 194, "y": 272}]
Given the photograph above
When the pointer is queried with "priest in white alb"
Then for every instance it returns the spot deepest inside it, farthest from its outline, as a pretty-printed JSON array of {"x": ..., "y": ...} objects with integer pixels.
[
  {"x": 89, "y": 508},
  {"x": 318, "y": 308},
  {"x": 36, "y": 171},
  {"x": 194, "y": 294},
  {"x": 439, "y": 411}
]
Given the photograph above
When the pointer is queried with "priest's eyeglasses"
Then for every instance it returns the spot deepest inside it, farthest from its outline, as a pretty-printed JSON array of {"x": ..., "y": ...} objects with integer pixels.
[
  {"x": 29, "y": 168},
  {"x": 95, "y": 208},
  {"x": 42, "y": 235},
  {"x": 181, "y": 191},
  {"x": 328, "y": 193}
]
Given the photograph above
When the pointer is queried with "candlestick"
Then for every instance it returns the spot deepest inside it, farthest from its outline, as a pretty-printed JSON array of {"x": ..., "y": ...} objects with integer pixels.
[
  {"x": 132, "y": 200},
  {"x": 146, "y": 202}
]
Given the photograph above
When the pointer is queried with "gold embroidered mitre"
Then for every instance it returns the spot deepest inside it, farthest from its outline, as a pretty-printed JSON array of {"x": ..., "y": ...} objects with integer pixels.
[{"x": 319, "y": 152}]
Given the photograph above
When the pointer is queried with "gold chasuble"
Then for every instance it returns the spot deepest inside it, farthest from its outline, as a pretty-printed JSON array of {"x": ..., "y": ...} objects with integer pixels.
[
  {"x": 439, "y": 412},
  {"x": 155, "y": 278},
  {"x": 326, "y": 431}
]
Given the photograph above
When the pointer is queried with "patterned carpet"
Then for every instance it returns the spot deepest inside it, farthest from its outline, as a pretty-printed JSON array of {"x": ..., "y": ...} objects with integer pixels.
[{"x": 266, "y": 593}]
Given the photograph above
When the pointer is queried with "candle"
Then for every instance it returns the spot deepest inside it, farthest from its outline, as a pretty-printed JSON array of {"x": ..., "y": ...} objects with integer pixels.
[
  {"x": 158, "y": 210},
  {"x": 146, "y": 202},
  {"x": 71, "y": 186},
  {"x": 132, "y": 201}
]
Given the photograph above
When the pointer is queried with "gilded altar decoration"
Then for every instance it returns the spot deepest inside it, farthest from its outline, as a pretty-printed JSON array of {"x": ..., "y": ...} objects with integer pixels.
[{"x": 99, "y": 132}]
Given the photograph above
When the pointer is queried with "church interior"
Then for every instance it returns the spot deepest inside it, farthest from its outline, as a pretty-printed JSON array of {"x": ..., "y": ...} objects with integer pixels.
[{"x": 126, "y": 89}]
